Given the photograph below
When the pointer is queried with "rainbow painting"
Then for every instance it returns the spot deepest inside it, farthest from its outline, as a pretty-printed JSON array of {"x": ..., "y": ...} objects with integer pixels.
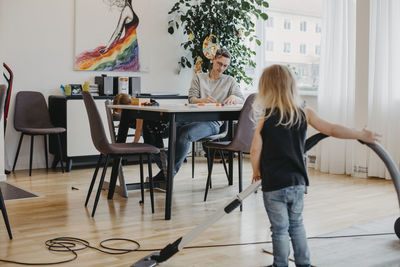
[{"x": 123, "y": 55}]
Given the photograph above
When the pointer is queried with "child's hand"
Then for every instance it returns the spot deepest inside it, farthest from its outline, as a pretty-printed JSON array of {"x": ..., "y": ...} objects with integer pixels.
[
  {"x": 256, "y": 177},
  {"x": 370, "y": 137}
]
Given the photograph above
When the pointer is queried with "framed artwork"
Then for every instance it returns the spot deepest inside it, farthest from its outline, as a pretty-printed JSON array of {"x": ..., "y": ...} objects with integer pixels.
[
  {"x": 76, "y": 89},
  {"x": 105, "y": 36}
]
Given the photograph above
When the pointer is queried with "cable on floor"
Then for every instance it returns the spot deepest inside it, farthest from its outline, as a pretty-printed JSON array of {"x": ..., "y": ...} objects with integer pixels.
[{"x": 73, "y": 244}]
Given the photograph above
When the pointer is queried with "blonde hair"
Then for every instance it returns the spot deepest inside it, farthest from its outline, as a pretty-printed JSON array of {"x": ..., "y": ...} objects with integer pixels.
[
  {"x": 122, "y": 99},
  {"x": 277, "y": 92}
]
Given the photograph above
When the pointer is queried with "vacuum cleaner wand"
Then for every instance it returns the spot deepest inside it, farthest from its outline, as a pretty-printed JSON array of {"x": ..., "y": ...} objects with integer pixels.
[{"x": 171, "y": 249}]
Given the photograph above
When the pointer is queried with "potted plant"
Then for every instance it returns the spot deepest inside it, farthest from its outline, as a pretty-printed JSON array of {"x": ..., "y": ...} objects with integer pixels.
[{"x": 209, "y": 24}]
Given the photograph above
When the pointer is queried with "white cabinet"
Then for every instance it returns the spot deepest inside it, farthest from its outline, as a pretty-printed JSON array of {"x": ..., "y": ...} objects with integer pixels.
[
  {"x": 79, "y": 141},
  {"x": 70, "y": 112}
]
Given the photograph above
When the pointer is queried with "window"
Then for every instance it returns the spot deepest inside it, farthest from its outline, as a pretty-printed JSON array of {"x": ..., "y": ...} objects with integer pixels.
[
  {"x": 288, "y": 41},
  {"x": 287, "y": 24},
  {"x": 270, "y": 22},
  {"x": 286, "y": 47},
  {"x": 317, "y": 28},
  {"x": 303, "y": 49},
  {"x": 303, "y": 26},
  {"x": 269, "y": 46},
  {"x": 317, "y": 50}
]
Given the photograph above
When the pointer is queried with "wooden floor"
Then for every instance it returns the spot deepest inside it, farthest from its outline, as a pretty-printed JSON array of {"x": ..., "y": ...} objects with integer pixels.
[{"x": 333, "y": 202}]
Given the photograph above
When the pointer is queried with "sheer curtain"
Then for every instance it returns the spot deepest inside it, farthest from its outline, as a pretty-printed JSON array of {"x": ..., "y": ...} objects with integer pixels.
[
  {"x": 384, "y": 80},
  {"x": 337, "y": 82}
]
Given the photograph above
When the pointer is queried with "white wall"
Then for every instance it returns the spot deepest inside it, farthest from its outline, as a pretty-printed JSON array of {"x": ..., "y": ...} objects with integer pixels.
[{"x": 37, "y": 42}]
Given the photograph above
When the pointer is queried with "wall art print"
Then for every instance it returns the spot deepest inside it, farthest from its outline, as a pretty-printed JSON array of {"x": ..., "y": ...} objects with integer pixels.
[{"x": 105, "y": 36}]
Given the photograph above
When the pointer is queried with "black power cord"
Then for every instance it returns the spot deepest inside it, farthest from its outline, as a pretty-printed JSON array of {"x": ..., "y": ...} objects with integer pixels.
[{"x": 73, "y": 244}]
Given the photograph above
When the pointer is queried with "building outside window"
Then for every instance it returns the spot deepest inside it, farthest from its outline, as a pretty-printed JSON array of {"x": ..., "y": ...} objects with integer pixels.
[
  {"x": 303, "y": 26},
  {"x": 286, "y": 47},
  {"x": 270, "y": 22},
  {"x": 279, "y": 41},
  {"x": 318, "y": 28},
  {"x": 287, "y": 24},
  {"x": 317, "y": 50},
  {"x": 269, "y": 46},
  {"x": 303, "y": 49}
]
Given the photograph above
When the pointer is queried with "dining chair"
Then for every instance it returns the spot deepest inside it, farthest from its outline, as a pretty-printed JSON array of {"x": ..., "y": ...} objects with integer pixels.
[
  {"x": 108, "y": 149},
  {"x": 241, "y": 142},
  {"x": 223, "y": 131},
  {"x": 31, "y": 117},
  {"x": 2, "y": 204}
]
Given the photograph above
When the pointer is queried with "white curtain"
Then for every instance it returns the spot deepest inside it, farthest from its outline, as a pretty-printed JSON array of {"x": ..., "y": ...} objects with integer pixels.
[
  {"x": 337, "y": 82},
  {"x": 384, "y": 80}
]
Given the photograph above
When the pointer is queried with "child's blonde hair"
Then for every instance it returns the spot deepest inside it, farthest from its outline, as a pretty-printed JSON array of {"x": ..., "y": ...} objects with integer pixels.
[
  {"x": 122, "y": 99},
  {"x": 277, "y": 92}
]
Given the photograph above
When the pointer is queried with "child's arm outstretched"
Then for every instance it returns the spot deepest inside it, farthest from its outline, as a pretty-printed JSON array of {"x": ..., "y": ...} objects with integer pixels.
[
  {"x": 255, "y": 151},
  {"x": 339, "y": 131},
  {"x": 138, "y": 130}
]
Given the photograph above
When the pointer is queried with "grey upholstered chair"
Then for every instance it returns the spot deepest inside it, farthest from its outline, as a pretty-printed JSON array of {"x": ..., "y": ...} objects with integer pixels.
[
  {"x": 2, "y": 204},
  {"x": 241, "y": 142},
  {"x": 223, "y": 131},
  {"x": 108, "y": 149},
  {"x": 32, "y": 118}
]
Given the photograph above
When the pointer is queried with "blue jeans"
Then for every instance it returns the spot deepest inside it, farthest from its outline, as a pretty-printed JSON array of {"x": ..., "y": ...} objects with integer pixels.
[
  {"x": 186, "y": 133},
  {"x": 284, "y": 208}
]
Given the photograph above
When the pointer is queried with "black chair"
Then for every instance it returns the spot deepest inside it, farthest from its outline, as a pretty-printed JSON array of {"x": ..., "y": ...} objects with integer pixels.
[
  {"x": 2, "y": 204},
  {"x": 223, "y": 131},
  {"x": 108, "y": 149},
  {"x": 241, "y": 142},
  {"x": 32, "y": 118}
]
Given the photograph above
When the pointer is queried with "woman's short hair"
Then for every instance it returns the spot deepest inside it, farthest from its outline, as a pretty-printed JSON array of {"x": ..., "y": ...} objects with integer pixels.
[{"x": 223, "y": 52}]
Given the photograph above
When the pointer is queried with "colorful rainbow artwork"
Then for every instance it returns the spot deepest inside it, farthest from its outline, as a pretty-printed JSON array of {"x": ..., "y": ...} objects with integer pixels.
[{"x": 123, "y": 55}]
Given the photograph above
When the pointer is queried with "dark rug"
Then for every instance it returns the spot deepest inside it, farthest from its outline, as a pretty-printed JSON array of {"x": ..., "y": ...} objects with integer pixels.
[
  {"x": 13, "y": 192},
  {"x": 367, "y": 251}
]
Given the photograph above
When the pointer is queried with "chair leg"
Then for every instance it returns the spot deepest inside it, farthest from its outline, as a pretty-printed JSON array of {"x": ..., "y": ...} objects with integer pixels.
[
  {"x": 31, "y": 156},
  {"x": 224, "y": 163},
  {"x": 141, "y": 179},
  {"x": 93, "y": 179},
  {"x": 61, "y": 152},
  {"x": 16, "y": 155},
  {"x": 193, "y": 152},
  {"x": 240, "y": 163},
  {"x": 4, "y": 211},
  {"x": 45, "y": 151},
  {"x": 163, "y": 161},
  {"x": 103, "y": 174},
  {"x": 150, "y": 182},
  {"x": 210, "y": 163}
]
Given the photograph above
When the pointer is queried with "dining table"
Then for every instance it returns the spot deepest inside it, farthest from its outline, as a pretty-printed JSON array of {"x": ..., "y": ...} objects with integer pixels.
[{"x": 172, "y": 113}]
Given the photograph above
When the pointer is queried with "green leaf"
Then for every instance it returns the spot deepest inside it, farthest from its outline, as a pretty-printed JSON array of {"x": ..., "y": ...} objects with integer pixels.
[
  {"x": 264, "y": 16},
  {"x": 258, "y": 42},
  {"x": 171, "y": 30}
]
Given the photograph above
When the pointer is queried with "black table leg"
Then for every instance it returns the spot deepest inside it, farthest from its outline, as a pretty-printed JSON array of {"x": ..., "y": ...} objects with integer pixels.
[{"x": 170, "y": 166}]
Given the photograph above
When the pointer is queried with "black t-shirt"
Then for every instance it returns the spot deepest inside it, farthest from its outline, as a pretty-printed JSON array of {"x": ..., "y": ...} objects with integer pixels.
[{"x": 282, "y": 163}]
